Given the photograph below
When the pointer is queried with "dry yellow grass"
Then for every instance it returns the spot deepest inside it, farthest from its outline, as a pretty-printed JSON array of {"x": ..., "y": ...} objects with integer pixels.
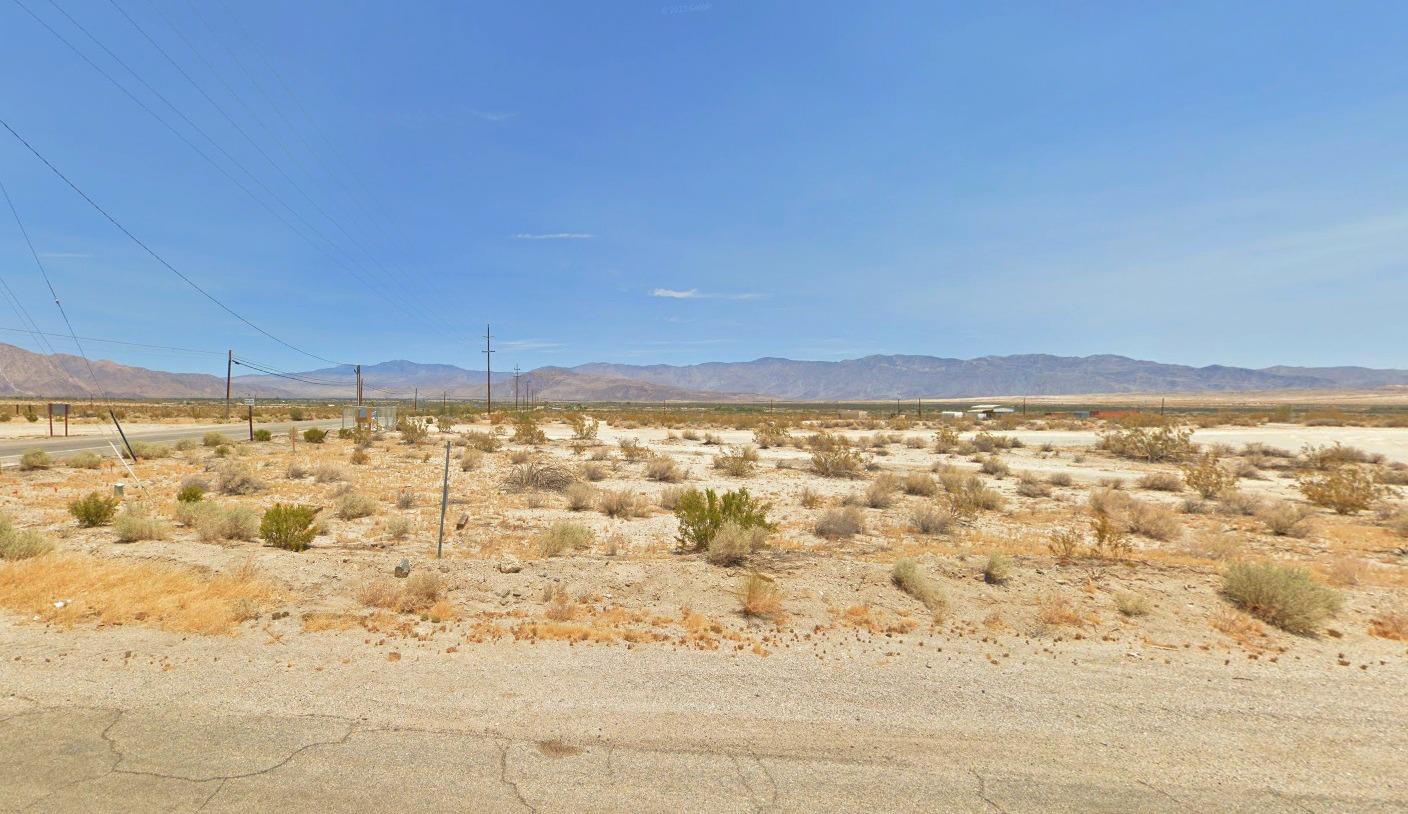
[{"x": 111, "y": 592}]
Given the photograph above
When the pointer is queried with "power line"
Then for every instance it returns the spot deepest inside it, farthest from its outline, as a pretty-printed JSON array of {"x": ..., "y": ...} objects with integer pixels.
[
  {"x": 202, "y": 153},
  {"x": 408, "y": 304},
  {"x": 187, "y": 280},
  {"x": 112, "y": 341}
]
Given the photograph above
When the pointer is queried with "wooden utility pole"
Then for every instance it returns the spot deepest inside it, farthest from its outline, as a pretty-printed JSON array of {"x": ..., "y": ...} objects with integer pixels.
[
  {"x": 229, "y": 368},
  {"x": 516, "y": 404},
  {"x": 359, "y": 385},
  {"x": 415, "y": 402},
  {"x": 488, "y": 379},
  {"x": 444, "y": 501}
]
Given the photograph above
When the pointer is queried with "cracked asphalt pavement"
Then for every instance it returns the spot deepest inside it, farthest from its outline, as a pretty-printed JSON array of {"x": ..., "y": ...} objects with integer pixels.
[{"x": 135, "y": 720}]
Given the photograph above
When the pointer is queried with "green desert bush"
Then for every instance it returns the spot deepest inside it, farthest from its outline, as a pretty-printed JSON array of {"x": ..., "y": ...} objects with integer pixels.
[
  {"x": 838, "y": 462},
  {"x": 214, "y": 439},
  {"x": 1345, "y": 489},
  {"x": 190, "y": 494},
  {"x": 94, "y": 509},
  {"x": 1152, "y": 444},
  {"x": 35, "y": 459},
  {"x": 1207, "y": 477},
  {"x": 1281, "y": 595},
  {"x": 702, "y": 514},
  {"x": 263, "y": 435},
  {"x": 288, "y": 526},
  {"x": 315, "y": 435},
  {"x": 738, "y": 462}
]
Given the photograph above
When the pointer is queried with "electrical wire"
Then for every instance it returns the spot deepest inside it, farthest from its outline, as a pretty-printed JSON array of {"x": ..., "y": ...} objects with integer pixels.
[{"x": 149, "y": 250}]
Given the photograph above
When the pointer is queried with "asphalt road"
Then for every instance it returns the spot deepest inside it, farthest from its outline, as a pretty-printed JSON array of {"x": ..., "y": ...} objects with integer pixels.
[{"x": 10, "y": 451}]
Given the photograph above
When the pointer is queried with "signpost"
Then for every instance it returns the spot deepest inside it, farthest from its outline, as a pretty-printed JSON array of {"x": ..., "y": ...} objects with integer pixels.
[
  {"x": 58, "y": 409},
  {"x": 249, "y": 403}
]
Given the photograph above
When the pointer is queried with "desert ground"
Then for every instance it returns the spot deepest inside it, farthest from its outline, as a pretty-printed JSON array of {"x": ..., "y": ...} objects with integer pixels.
[{"x": 931, "y": 618}]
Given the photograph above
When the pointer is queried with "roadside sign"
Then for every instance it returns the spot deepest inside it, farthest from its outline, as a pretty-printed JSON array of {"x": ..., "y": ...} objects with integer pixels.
[
  {"x": 59, "y": 409},
  {"x": 249, "y": 402}
]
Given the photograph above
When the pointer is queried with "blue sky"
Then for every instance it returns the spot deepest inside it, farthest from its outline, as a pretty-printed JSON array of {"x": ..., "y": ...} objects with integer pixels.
[{"x": 682, "y": 182}]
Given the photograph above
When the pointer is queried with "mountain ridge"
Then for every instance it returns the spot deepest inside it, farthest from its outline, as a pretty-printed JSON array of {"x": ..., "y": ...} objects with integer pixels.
[{"x": 874, "y": 377}]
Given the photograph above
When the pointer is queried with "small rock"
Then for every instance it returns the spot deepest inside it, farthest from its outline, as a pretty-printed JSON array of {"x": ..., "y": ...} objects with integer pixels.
[
  {"x": 510, "y": 566},
  {"x": 403, "y": 569}
]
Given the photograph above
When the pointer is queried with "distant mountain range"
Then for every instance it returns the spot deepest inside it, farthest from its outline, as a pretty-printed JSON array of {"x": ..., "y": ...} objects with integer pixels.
[{"x": 24, "y": 373}]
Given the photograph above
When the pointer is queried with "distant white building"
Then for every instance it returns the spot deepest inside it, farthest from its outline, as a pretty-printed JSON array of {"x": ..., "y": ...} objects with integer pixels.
[{"x": 982, "y": 412}]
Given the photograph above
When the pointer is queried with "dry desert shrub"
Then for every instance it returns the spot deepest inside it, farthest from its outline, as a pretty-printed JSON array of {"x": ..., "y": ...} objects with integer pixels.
[
  {"x": 214, "y": 439},
  {"x": 17, "y": 544},
  {"x": 907, "y": 576},
  {"x": 482, "y": 441},
  {"x": 670, "y": 497},
  {"x": 1336, "y": 456},
  {"x": 995, "y": 466},
  {"x": 1028, "y": 485},
  {"x": 1055, "y": 610},
  {"x": 417, "y": 593},
  {"x": 622, "y": 503},
  {"x": 595, "y": 471},
  {"x": 1154, "y": 520},
  {"x": 972, "y": 497},
  {"x": 945, "y": 439},
  {"x": 997, "y": 570},
  {"x": 809, "y": 498},
  {"x": 471, "y": 459},
  {"x": 519, "y": 456},
  {"x": 581, "y": 496},
  {"x": 738, "y": 462},
  {"x": 1280, "y": 595},
  {"x": 1060, "y": 479},
  {"x": 234, "y": 478},
  {"x": 838, "y": 462},
  {"x": 880, "y": 494},
  {"x": 1284, "y": 519},
  {"x": 539, "y": 475},
  {"x": 733, "y": 543},
  {"x": 563, "y": 536},
  {"x": 840, "y": 523},
  {"x": 84, "y": 460},
  {"x": 920, "y": 485},
  {"x": 1345, "y": 489},
  {"x": 397, "y": 528},
  {"x": 1152, "y": 444},
  {"x": 1129, "y": 603},
  {"x": 1347, "y": 570},
  {"x": 138, "y": 523},
  {"x": 931, "y": 520},
  {"x": 354, "y": 505},
  {"x": 761, "y": 598},
  {"x": 663, "y": 468},
  {"x": 118, "y": 592},
  {"x": 1390, "y": 624},
  {"x": 632, "y": 449},
  {"x": 1065, "y": 544},
  {"x": 35, "y": 459},
  {"x": 1161, "y": 482}
]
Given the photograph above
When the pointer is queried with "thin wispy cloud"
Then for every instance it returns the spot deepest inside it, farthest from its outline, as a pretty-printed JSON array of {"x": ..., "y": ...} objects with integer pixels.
[
  {"x": 554, "y": 236},
  {"x": 696, "y": 294},
  {"x": 493, "y": 115},
  {"x": 529, "y": 344}
]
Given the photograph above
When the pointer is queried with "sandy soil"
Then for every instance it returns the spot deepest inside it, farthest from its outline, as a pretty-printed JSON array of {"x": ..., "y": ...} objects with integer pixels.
[{"x": 1039, "y": 683}]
